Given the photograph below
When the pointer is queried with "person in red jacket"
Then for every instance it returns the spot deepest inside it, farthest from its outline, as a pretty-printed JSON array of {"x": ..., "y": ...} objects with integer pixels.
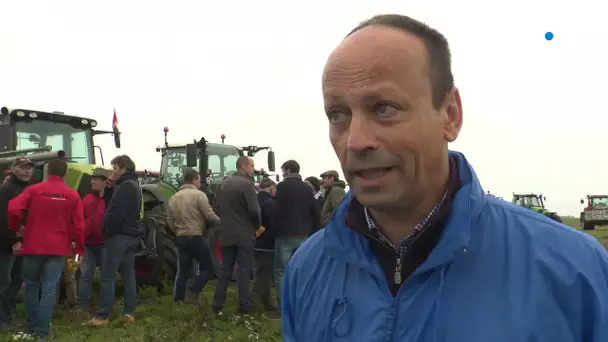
[
  {"x": 94, "y": 209},
  {"x": 55, "y": 219}
]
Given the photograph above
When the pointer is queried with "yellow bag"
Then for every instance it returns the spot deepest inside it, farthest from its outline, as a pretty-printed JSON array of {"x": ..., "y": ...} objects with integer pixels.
[{"x": 260, "y": 231}]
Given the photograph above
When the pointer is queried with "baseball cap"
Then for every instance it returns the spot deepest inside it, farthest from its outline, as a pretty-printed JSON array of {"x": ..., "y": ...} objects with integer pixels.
[
  {"x": 22, "y": 161},
  {"x": 330, "y": 173},
  {"x": 101, "y": 172}
]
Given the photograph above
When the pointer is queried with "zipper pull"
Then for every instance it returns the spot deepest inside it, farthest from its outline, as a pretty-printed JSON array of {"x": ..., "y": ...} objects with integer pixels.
[{"x": 398, "y": 271}]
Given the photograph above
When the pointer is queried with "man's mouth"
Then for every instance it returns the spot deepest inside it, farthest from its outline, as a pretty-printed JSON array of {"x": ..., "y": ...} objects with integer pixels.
[{"x": 373, "y": 173}]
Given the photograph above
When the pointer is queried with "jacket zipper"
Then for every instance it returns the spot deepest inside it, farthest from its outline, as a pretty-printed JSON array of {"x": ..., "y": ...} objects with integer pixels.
[
  {"x": 398, "y": 279},
  {"x": 398, "y": 272}
]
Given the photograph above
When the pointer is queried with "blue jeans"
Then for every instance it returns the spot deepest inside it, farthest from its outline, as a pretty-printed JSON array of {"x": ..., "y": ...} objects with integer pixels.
[
  {"x": 192, "y": 248},
  {"x": 41, "y": 296},
  {"x": 243, "y": 256},
  {"x": 283, "y": 250},
  {"x": 10, "y": 284},
  {"x": 194, "y": 273},
  {"x": 118, "y": 254},
  {"x": 92, "y": 258}
]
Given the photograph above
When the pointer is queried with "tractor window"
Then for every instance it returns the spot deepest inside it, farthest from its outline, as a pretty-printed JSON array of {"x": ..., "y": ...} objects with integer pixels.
[
  {"x": 599, "y": 202},
  {"x": 60, "y": 136},
  {"x": 219, "y": 166},
  {"x": 531, "y": 202}
]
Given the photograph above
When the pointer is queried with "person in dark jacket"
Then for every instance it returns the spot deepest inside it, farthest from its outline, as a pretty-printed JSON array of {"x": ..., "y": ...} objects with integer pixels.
[
  {"x": 297, "y": 217},
  {"x": 122, "y": 229},
  {"x": 264, "y": 246},
  {"x": 94, "y": 210},
  {"x": 240, "y": 213},
  {"x": 315, "y": 185},
  {"x": 54, "y": 223},
  {"x": 10, "y": 264}
]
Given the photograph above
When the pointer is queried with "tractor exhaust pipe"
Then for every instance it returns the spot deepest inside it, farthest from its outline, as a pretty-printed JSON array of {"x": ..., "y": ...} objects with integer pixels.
[{"x": 35, "y": 157}]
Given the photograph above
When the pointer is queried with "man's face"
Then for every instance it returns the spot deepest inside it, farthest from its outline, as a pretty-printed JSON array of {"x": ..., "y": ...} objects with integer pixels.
[
  {"x": 327, "y": 181},
  {"x": 391, "y": 141},
  {"x": 98, "y": 183},
  {"x": 117, "y": 171},
  {"x": 250, "y": 168},
  {"x": 24, "y": 173}
]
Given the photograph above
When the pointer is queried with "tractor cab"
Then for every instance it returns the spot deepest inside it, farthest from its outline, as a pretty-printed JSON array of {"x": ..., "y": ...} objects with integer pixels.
[
  {"x": 217, "y": 159},
  {"x": 530, "y": 201},
  {"x": 46, "y": 135},
  {"x": 596, "y": 202},
  {"x": 535, "y": 203}
]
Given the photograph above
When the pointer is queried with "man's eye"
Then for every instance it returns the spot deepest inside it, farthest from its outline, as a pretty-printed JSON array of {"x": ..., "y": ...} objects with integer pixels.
[
  {"x": 385, "y": 110},
  {"x": 337, "y": 117}
]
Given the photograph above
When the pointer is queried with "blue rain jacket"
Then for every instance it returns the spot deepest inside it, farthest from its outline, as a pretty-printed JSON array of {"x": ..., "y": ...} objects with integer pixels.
[{"x": 500, "y": 273}]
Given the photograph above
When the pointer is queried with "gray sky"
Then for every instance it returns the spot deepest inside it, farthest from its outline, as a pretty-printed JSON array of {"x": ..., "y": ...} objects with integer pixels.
[{"x": 533, "y": 114}]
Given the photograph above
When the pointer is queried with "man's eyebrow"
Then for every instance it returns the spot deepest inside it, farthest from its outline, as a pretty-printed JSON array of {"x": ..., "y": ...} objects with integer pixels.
[{"x": 334, "y": 98}]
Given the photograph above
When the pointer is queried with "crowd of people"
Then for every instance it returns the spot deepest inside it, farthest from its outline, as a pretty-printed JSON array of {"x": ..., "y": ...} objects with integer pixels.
[
  {"x": 259, "y": 230},
  {"x": 47, "y": 231}
]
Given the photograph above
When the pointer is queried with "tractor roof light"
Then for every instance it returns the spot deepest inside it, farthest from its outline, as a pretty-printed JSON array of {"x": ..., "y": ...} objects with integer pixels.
[
  {"x": 33, "y": 115},
  {"x": 93, "y": 123},
  {"x": 20, "y": 114},
  {"x": 84, "y": 121}
]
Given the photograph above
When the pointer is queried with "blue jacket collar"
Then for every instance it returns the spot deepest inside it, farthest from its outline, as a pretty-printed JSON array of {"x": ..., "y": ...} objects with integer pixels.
[{"x": 345, "y": 244}]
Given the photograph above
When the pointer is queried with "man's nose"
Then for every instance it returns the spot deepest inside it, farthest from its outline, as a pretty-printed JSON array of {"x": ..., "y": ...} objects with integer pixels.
[{"x": 361, "y": 134}]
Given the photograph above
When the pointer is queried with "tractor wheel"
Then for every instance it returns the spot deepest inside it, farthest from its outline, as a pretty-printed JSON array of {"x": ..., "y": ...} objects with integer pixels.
[
  {"x": 164, "y": 265},
  {"x": 587, "y": 225}
]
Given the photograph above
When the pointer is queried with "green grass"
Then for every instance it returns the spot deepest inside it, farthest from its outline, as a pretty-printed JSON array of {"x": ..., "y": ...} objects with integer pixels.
[
  {"x": 159, "y": 319},
  {"x": 600, "y": 233}
]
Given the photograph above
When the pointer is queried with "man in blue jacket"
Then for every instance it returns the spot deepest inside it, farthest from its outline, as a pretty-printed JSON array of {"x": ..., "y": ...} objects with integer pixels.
[
  {"x": 417, "y": 251},
  {"x": 122, "y": 229}
]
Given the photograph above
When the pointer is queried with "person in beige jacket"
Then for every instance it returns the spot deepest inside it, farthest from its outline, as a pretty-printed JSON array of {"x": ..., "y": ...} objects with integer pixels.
[{"x": 188, "y": 215}]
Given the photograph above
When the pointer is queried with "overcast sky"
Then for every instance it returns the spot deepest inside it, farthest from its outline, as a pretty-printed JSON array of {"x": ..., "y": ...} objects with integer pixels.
[{"x": 534, "y": 113}]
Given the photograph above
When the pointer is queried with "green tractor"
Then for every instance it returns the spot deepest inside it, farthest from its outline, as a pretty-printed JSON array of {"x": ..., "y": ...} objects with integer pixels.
[
  {"x": 535, "y": 203},
  {"x": 219, "y": 161},
  {"x": 595, "y": 213},
  {"x": 44, "y": 136}
]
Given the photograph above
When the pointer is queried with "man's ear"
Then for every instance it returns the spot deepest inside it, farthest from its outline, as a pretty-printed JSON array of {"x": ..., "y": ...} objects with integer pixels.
[{"x": 453, "y": 115}]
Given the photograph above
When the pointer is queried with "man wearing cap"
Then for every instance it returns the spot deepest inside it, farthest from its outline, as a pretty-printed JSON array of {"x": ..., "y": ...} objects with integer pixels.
[
  {"x": 10, "y": 264},
  {"x": 334, "y": 193},
  {"x": 94, "y": 209}
]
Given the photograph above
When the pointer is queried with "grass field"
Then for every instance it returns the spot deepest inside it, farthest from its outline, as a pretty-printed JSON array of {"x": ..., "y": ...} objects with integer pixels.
[
  {"x": 159, "y": 319},
  {"x": 600, "y": 233}
]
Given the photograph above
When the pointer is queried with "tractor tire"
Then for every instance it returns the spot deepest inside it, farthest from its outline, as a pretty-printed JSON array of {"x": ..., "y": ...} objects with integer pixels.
[
  {"x": 587, "y": 225},
  {"x": 165, "y": 264}
]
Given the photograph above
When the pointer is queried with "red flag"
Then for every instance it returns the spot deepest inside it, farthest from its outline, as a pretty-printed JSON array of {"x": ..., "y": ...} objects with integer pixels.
[{"x": 115, "y": 120}]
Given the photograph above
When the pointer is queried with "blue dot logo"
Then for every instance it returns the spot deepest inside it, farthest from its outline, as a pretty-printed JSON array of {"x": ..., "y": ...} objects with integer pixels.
[{"x": 549, "y": 36}]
